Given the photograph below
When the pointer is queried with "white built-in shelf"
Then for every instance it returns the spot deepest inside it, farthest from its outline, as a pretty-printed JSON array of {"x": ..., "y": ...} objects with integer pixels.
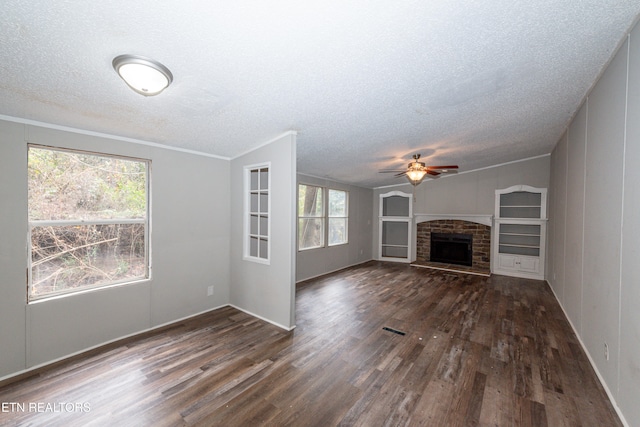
[
  {"x": 519, "y": 231},
  {"x": 395, "y": 226}
]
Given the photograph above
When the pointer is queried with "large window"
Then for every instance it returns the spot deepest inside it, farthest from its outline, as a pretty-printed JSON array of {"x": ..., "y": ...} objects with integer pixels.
[
  {"x": 88, "y": 221},
  {"x": 320, "y": 222}
]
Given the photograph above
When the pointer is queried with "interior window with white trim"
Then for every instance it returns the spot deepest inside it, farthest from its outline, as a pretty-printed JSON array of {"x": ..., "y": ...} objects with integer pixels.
[
  {"x": 88, "y": 221},
  {"x": 257, "y": 214}
]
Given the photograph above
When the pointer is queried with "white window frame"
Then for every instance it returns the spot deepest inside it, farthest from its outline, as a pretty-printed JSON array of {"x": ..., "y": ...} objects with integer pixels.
[
  {"x": 325, "y": 217},
  {"x": 346, "y": 217},
  {"x": 45, "y": 223},
  {"x": 248, "y": 213}
]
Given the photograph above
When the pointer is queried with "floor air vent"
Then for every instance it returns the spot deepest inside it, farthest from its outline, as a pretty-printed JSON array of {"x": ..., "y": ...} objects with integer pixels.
[{"x": 395, "y": 331}]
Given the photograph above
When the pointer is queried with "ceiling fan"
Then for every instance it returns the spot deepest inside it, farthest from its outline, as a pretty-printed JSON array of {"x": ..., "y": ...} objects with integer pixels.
[{"x": 416, "y": 170}]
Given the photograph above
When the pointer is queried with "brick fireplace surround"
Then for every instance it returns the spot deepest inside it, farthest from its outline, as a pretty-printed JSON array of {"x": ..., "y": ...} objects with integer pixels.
[{"x": 481, "y": 240}]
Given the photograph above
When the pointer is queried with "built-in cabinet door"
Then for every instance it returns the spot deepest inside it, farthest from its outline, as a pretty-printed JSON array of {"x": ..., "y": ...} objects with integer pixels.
[
  {"x": 515, "y": 263},
  {"x": 530, "y": 264}
]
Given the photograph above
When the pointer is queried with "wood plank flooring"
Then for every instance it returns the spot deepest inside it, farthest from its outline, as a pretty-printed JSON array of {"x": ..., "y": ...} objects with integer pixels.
[{"x": 476, "y": 351}]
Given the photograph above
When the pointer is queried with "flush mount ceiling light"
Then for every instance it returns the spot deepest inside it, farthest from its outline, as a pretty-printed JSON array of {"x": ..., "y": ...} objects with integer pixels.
[{"x": 144, "y": 75}]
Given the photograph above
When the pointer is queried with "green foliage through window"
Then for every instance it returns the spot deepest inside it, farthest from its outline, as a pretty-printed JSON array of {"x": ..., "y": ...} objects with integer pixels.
[{"x": 88, "y": 220}]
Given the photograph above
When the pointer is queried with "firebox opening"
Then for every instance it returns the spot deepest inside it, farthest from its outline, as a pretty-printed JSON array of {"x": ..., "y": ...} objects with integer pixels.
[{"x": 452, "y": 248}]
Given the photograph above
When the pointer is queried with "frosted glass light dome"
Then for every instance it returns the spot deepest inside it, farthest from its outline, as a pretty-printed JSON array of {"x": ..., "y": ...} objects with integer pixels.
[{"x": 143, "y": 75}]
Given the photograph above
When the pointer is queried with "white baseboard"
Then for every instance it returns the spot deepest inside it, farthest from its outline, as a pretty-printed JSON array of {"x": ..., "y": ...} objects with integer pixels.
[
  {"x": 93, "y": 347},
  {"x": 263, "y": 318},
  {"x": 333, "y": 271},
  {"x": 593, "y": 364}
]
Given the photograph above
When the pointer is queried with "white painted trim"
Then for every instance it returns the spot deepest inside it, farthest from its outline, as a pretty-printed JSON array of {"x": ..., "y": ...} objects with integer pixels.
[
  {"x": 246, "y": 176},
  {"x": 105, "y": 135},
  {"x": 622, "y": 217},
  {"x": 391, "y": 186},
  {"x": 593, "y": 364},
  {"x": 263, "y": 318},
  {"x": 287, "y": 133},
  {"x": 406, "y": 219},
  {"x": 451, "y": 270},
  {"x": 70, "y": 355},
  {"x": 328, "y": 179},
  {"x": 334, "y": 271},
  {"x": 477, "y": 218}
]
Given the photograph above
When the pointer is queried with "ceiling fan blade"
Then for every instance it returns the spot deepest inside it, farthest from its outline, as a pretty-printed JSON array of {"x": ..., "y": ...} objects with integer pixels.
[
  {"x": 442, "y": 167},
  {"x": 390, "y": 171},
  {"x": 433, "y": 173},
  {"x": 400, "y": 174}
]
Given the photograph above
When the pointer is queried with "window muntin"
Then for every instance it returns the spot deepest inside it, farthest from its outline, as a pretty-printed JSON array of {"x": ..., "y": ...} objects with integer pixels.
[
  {"x": 338, "y": 217},
  {"x": 257, "y": 214},
  {"x": 88, "y": 221},
  {"x": 310, "y": 217}
]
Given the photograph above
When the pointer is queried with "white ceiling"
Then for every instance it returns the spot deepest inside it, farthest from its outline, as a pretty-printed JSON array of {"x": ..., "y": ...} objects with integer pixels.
[{"x": 366, "y": 84}]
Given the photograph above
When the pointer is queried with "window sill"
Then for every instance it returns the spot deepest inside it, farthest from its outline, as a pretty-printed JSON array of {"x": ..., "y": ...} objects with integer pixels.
[{"x": 85, "y": 291}]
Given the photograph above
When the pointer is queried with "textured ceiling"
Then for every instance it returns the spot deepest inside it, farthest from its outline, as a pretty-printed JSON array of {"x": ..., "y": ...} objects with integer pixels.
[{"x": 366, "y": 84}]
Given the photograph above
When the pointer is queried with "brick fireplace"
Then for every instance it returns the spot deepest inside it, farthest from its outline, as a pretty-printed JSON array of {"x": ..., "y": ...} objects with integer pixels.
[{"x": 481, "y": 238}]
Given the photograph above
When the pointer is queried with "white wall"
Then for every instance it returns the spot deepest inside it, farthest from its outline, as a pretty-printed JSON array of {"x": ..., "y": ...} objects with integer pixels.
[
  {"x": 318, "y": 261},
  {"x": 267, "y": 291},
  {"x": 466, "y": 192},
  {"x": 595, "y": 247},
  {"x": 190, "y": 251}
]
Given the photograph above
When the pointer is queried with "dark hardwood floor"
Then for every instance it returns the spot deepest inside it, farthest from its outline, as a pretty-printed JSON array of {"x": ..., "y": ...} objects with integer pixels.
[{"x": 482, "y": 351}]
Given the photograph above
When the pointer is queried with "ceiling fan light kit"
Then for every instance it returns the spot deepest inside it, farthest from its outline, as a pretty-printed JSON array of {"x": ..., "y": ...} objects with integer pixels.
[
  {"x": 417, "y": 170},
  {"x": 144, "y": 75}
]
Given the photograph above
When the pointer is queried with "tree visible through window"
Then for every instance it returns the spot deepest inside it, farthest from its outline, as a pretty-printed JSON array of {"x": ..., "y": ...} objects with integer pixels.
[
  {"x": 310, "y": 217},
  {"x": 87, "y": 219},
  {"x": 317, "y": 218},
  {"x": 338, "y": 216}
]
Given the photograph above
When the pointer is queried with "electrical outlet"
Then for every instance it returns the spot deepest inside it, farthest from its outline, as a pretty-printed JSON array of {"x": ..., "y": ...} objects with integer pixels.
[
  {"x": 606, "y": 351},
  {"x": 210, "y": 291}
]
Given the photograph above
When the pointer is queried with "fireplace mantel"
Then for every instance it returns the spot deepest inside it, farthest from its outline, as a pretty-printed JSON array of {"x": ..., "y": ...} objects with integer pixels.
[{"x": 480, "y": 219}]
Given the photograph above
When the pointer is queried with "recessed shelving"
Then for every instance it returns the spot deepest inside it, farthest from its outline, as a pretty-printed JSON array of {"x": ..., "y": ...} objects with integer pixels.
[
  {"x": 519, "y": 231},
  {"x": 395, "y": 226}
]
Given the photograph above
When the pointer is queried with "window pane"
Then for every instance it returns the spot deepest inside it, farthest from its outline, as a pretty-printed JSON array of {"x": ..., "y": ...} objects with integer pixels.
[
  {"x": 264, "y": 226},
  {"x": 264, "y": 249},
  {"x": 337, "y": 231},
  {"x": 76, "y": 257},
  {"x": 264, "y": 179},
  {"x": 310, "y": 233},
  {"x": 253, "y": 246},
  {"x": 264, "y": 203},
  {"x": 337, "y": 203},
  {"x": 254, "y": 179},
  {"x": 73, "y": 186},
  {"x": 253, "y": 229},
  {"x": 309, "y": 201}
]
